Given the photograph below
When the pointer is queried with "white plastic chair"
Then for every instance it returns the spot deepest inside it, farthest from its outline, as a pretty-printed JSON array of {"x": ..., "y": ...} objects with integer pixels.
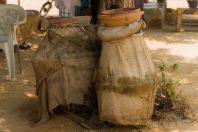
[{"x": 11, "y": 16}]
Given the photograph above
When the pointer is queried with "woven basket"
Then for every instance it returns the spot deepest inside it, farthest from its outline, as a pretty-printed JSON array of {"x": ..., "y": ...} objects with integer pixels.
[{"x": 122, "y": 16}]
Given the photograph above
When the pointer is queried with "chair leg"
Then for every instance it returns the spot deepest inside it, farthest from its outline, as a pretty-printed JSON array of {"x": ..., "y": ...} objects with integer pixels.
[
  {"x": 9, "y": 53},
  {"x": 16, "y": 48}
]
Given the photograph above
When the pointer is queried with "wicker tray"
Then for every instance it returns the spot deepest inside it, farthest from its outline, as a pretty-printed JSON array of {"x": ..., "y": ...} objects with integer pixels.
[{"x": 118, "y": 17}]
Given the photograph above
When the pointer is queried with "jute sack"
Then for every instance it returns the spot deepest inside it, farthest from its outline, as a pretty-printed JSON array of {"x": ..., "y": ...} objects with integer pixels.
[
  {"x": 125, "y": 80},
  {"x": 64, "y": 65}
]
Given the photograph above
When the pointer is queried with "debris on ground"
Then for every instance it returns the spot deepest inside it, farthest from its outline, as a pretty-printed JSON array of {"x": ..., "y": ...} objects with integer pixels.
[{"x": 168, "y": 104}]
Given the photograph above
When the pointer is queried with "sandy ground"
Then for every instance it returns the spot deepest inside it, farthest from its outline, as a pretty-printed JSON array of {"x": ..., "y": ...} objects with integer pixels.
[
  {"x": 181, "y": 48},
  {"x": 18, "y": 103}
]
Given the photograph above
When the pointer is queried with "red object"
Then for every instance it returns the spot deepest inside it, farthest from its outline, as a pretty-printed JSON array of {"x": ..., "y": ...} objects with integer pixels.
[{"x": 62, "y": 20}]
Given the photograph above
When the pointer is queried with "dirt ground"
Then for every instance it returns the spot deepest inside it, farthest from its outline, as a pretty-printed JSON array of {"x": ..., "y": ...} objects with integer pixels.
[{"x": 19, "y": 104}]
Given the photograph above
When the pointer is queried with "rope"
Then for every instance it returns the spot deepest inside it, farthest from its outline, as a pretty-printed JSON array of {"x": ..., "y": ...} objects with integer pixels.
[{"x": 46, "y": 8}]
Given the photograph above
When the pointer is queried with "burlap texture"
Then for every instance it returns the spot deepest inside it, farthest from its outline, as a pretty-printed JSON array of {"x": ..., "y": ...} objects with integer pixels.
[
  {"x": 64, "y": 65},
  {"x": 126, "y": 76}
]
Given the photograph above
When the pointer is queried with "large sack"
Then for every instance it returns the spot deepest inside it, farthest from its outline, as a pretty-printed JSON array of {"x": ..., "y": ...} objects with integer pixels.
[
  {"x": 64, "y": 65},
  {"x": 125, "y": 80}
]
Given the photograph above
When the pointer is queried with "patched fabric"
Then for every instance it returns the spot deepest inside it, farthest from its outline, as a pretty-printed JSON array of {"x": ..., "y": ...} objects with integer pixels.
[
  {"x": 64, "y": 66},
  {"x": 126, "y": 76}
]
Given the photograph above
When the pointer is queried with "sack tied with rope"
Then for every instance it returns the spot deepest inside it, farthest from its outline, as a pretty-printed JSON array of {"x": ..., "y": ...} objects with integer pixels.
[
  {"x": 64, "y": 65},
  {"x": 126, "y": 77}
]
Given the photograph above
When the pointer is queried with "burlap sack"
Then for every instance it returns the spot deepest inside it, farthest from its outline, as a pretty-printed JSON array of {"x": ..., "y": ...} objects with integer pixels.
[
  {"x": 64, "y": 65},
  {"x": 125, "y": 80}
]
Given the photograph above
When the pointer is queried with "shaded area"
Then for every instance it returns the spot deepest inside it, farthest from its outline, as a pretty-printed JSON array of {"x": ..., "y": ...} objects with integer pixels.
[
  {"x": 18, "y": 103},
  {"x": 181, "y": 49},
  {"x": 171, "y": 37}
]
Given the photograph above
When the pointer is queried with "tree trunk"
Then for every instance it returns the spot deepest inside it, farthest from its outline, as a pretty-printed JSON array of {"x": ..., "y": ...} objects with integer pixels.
[{"x": 3, "y": 1}]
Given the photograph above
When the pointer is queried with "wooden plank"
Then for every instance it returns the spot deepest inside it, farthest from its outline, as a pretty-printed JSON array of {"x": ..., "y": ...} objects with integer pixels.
[
  {"x": 187, "y": 11},
  {"x": 80, "y": 121},
  {"x": 179, "y": 23},
  {"x": 190, "y": 17},
  {"x": 180, "y": 12}
]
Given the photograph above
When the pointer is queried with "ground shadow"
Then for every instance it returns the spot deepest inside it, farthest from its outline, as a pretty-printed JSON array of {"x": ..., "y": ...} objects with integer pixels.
[{"x": 168, "y": 35}]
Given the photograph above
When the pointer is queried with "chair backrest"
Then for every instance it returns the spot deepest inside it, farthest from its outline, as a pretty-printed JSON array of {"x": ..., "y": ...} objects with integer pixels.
[{"x": 10, "y": 16}]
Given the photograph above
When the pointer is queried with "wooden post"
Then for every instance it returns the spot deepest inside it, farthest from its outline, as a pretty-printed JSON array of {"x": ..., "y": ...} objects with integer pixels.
[
  {"x": 180, "y": 12},
  {"x": 179, "y": 19},
  {"x": 19, "y": 2},
  {"x": 179, "y": 23}
]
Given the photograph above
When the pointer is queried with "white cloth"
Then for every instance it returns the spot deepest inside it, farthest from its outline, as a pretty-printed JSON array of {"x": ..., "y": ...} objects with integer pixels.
[{"x": 68, "y": 4}]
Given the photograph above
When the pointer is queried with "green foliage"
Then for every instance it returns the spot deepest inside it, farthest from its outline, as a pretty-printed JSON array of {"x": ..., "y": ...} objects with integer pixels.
[
  {"x": 167, "y": 101},
  {"x": 171, "y": 86},
  {"x": 168, "y": 84}
]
